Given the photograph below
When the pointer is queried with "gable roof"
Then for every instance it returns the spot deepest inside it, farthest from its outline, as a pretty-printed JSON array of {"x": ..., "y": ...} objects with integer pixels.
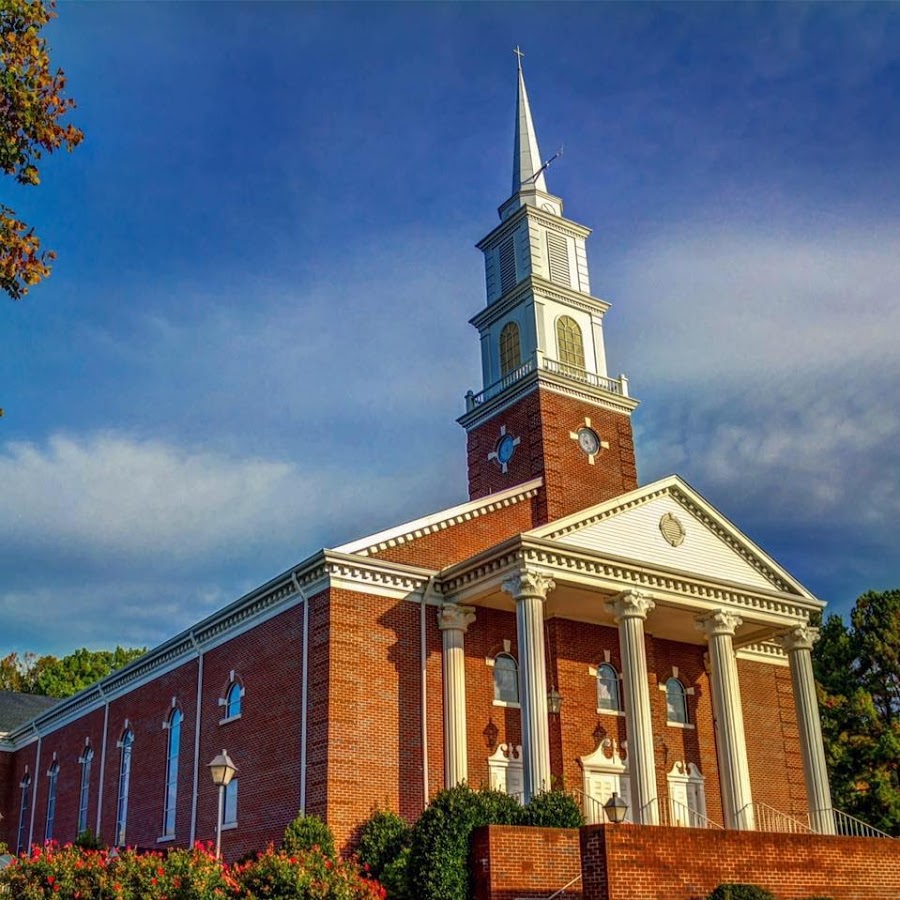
[
  {"x": 15, "y": 709},
  {"x": 445, "y": 518},
  {"x": 635, "y": 524}
]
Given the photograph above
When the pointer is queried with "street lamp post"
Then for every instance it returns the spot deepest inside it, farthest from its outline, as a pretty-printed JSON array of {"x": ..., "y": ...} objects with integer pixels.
[{"x": 222, "y": 770}]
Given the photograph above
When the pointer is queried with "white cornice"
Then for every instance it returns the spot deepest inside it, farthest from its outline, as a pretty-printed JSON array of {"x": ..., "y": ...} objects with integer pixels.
[
  {"x": 439, "y": 521},
  {"x": 767, "y": 652},
  {"x": 540, "y": 289},
  {"x": 548, "y": 220},
  {"x": 589, "y": 568}
]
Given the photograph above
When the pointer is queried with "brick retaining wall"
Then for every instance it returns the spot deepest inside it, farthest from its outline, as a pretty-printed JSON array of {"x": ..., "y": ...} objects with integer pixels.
[
  {"x": 628, "y": 863},
  {"x": 509, "y": 862}
]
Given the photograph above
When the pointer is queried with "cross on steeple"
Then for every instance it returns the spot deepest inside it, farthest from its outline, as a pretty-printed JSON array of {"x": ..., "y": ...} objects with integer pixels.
[{"x": 520, "y": 54}]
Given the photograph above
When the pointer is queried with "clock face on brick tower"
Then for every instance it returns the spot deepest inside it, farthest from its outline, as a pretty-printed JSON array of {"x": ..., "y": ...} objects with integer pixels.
[{"x": 543, "y": 356}]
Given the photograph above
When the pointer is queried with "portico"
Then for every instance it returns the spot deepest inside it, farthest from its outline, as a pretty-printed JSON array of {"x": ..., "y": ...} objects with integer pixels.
[{"x": 550, "y": 575}]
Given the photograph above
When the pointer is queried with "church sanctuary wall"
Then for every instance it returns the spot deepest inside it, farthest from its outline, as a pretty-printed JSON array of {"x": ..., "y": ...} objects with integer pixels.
[
  {"x": 6, "y": 787},
  {"x": 575, "y": 648},
  {"x": 374, "y": 719},
  {"x": 488, "y": 724},
  {"x": 457, "y": 542},
  {"x": 264, "y": 742},
  {"x": 773, "y": 740}
]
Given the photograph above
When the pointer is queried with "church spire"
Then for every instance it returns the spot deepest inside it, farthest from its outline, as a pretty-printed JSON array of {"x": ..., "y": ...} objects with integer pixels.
[{"x": 526, "y": 155}]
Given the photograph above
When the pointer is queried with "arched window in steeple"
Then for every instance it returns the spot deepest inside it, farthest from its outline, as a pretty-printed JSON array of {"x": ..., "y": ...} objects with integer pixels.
[
  {"x": 510, "y": 349},
  {"x": 569, "y": 344}
]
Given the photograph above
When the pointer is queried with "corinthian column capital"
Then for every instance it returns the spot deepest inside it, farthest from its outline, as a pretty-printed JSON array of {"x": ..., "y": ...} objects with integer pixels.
[
  {"x": 719, "y": 622},
  {"x": 630, "y": 605},
  {"x": 528, "y": 583},
  {"x": 452, "y": 617},
  {"x": 801, "y": 637}
]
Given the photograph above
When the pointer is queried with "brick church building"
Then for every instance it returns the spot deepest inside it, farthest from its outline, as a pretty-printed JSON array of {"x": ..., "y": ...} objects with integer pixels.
[{"x": 566, "y": 626}]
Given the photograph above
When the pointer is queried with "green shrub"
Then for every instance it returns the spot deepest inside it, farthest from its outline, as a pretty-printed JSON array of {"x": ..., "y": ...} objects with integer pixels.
[
  {"x": 87, "y": 840},
  {"x": 553, "y": 809},
  {"x": 395, "y": 877},
  {"x": 438, "y": 862},
  {"x": 740, "y": 892},
  {"x": 381, "y": 840},
  {"x": 308, "y": 833}
]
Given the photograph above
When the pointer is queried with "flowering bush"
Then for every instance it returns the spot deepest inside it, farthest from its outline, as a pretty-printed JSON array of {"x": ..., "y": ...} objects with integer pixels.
[{"x": 76, "y": 873}]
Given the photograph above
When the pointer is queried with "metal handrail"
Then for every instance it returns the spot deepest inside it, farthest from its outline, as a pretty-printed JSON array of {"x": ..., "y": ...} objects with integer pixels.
[
  {"x": 849, "y": 826},
  {"x": 769, "y": 819},
  {"x": 692, "y": 818}
]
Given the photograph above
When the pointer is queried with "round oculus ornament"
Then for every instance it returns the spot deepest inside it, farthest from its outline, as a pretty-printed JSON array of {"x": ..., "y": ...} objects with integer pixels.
[
  {"x": 588, "y": 441},
  {"x": 506, "y": 446}
]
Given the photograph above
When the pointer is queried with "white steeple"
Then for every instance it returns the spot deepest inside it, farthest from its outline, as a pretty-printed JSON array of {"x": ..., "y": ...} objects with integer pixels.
[{"x": 526, "y": 155}]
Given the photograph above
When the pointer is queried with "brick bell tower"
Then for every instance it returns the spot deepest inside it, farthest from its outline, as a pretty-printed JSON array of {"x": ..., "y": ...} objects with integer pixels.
[{"x": 548, "y": 407}]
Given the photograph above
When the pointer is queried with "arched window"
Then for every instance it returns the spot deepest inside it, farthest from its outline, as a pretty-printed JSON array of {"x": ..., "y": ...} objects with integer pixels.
[
  {"x": 171, "y": 797},
  {"x": 125, "y": 748},
  {"x": 510, "y": 349},
  {"x": 22, "y": 840},
  {"x": 569, "y": 344},
  {"x": 608, "y": 689},
  {"x": 506, "y": 679},
  {"x": 52, "y": 779},
  {"x": 86, "y": 758},
  {"x": 676, "y": 702},
  {"x": 233, "y": 700}
]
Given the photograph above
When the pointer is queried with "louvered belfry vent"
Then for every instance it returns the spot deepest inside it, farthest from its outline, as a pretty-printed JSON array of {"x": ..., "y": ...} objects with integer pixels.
[
  {"x": 558, "y": 255},
  {"x": 507, "y": 266}
]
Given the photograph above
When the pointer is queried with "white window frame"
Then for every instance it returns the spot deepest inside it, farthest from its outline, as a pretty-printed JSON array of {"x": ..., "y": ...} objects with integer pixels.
[
  {"x": 170, "y": 797},
  {"x": 52, "y": 783},
  {"x": 24, "y": 809},
  {"x": 126, "y": 750},
  {"x": 84, "y": 793}
]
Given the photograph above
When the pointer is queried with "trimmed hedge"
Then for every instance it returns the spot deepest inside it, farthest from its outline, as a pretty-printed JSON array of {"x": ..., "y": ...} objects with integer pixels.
[
  {"x": 553, "y": 809},
  {"x": 308, "y": 834},
  {"x": 740, "y": 892}
]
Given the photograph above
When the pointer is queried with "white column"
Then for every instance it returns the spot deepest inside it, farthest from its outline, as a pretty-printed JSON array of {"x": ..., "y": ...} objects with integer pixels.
[
  {"x": 630, "y": 609},
  {"x": 798, "y": 643},
  {"x": 731, "y": 744},
  {"x": 453, "y": 621},
  {"x": 529, "y": 590}
]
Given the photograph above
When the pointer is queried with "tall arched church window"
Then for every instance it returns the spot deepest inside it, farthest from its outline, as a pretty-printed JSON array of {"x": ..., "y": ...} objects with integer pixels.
[
  {"x": 125, "y": 749},
  {"x": 86, "y": 759},
  {"x": 569, "y": 343},
  {"x": 608, "y": 697},
  {"x": 510, "y": 349},
  {"x": 233, "y": 700},
  {"x": 506, "y": 679},
  {"x": 174, "y": 746},
  {"x": 52, "y": 779},
  {"x": 676, "y": 702},
  {"x": 24, "y": 806}
]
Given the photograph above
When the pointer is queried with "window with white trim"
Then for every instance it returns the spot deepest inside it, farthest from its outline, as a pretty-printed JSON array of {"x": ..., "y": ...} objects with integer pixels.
[
  {"x": 173, "y": 723},
  {"x": 510, "y": 349},
  {"x": 84, "y": 795},
  {"x": 506, "y": 679},
  {"x": 676, "y": 703},
  {"x": 52, "y": 779},
  {"x": 24, "y": 806},
  {"x": 232, "y": 701},
  {"x": 125, "y": 750},
  {"x": 569, "y": 343},
  {"x": 230, "y": 808},
  {"x": 608, "y": 694}
]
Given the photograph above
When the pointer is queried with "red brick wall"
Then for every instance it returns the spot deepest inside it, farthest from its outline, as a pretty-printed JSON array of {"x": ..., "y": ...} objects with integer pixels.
[
  {"x": 509, "y": 863},
  {"x": 264, "y": 742},
  {"x": 628, "y": 863},
  {"x": 543, "y": 421},
  {"x": 773, "y": 745},
  {"x": 374, "y": 727},
  {"x": 68, "y": 743},
  {"x": 458, "y": 542}
]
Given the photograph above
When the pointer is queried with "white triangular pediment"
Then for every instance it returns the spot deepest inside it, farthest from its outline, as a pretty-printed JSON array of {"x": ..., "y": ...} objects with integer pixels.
[{"x": 667, "y": 524}]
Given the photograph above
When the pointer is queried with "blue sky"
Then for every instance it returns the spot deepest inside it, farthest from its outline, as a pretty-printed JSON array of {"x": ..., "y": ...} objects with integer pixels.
[{"x": 255, "y": 340}]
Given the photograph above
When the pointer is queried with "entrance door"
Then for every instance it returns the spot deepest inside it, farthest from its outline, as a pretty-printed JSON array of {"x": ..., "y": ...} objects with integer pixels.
[
  {"x": 599, "y": 788},
  {"x": 687, "y": 799}
]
